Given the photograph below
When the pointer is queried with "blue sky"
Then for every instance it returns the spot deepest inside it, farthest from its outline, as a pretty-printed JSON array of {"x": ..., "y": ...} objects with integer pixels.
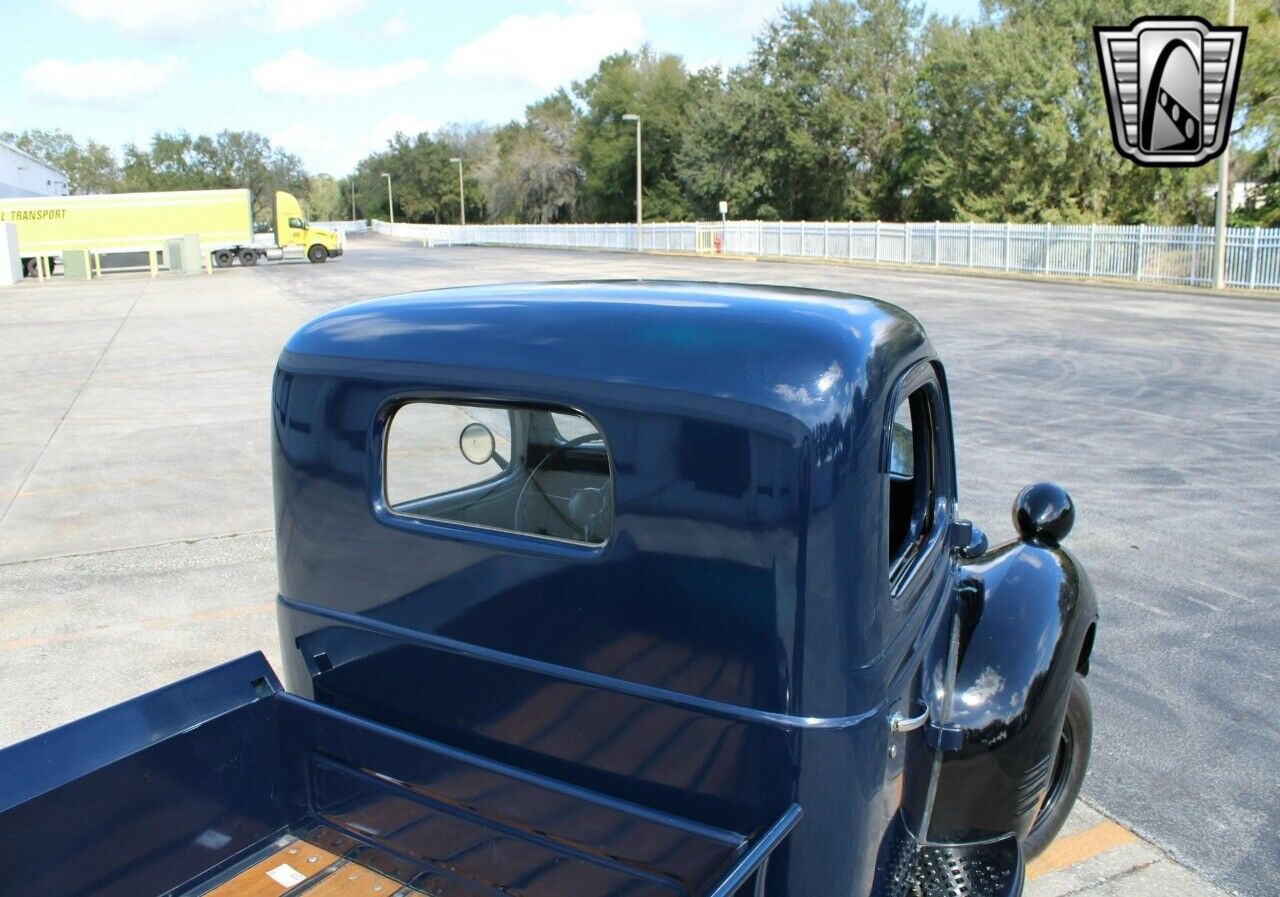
[{"x": 332, "y": 80}]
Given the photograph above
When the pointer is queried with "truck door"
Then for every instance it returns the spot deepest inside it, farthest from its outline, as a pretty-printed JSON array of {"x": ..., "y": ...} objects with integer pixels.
[
  {"x": 291, "y": 227},
  {"x": 297, "y": 231},
  {"x": 919, "y": 511}
]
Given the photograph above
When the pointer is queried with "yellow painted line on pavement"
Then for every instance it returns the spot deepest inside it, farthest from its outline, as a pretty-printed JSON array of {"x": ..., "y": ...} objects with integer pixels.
[{"x": 1081, "y": 846}]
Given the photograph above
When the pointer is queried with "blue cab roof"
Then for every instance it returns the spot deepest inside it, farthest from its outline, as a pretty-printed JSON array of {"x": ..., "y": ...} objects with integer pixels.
[{"x": 790, "y": 350}]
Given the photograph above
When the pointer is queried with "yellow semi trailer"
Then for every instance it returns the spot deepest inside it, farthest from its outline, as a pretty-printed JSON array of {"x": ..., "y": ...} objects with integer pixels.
[{"x": 114, "y": 223}]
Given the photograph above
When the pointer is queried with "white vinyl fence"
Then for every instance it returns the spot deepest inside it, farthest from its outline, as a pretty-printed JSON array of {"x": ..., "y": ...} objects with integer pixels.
[
  {"x": 1170, "y": 255},
  {"x": 359, "y": 226}
]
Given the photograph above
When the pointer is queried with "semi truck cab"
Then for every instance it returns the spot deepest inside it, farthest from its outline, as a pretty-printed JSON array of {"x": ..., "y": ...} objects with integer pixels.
[
  {"x": 292, "y": 229},
  {"x": 620, "y": 589}
]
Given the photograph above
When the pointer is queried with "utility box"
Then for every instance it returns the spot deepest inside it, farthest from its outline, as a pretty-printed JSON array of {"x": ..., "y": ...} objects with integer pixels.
[
  {"x": 173, "y": 255},
  {"x": 76, "y": 264},
  {"x": 182, "y": 254},
  {"x": 192, "y": 260},
  {"x": 10, "y": 261}
]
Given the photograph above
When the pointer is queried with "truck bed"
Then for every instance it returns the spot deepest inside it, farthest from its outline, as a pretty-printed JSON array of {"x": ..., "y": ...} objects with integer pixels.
[{"x": 226, "y": 785}]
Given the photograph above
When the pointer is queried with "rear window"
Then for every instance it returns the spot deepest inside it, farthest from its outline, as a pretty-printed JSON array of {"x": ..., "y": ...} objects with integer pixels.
[{"x": 538, "y": 471}]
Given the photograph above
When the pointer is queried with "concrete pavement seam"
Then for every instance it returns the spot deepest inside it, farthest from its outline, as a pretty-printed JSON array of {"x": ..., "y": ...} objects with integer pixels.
[
  {"x": 65, "y": 411},
  {"x": 89, "y": 554},
  {"x": 1084, "y": 889}
]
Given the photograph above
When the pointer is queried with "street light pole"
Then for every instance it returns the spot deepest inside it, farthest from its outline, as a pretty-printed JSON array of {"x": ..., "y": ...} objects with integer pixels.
[
  {"x": 462, "y": 196},
  {"x": 1224, "y": 190},
  {"x": 630, "y": 116},
  {"x": 353, "y": 197},
  {"x": 391, "y": 208}
]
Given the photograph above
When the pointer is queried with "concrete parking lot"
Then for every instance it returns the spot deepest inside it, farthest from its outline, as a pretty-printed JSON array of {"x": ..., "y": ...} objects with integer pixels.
[{"x": 135, "y": 506}]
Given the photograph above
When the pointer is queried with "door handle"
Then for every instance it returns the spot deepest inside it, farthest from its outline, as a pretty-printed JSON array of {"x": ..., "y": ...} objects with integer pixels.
[{"x": 899, "y": 723}]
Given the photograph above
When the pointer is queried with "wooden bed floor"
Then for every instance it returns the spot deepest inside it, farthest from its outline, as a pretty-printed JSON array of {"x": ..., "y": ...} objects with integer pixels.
[{"x": 301, "y": 866}]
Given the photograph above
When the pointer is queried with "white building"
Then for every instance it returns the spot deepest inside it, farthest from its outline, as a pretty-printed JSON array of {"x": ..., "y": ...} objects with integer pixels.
[
  {"x": 22, "y": 174},
  {"x": 1243, "y": 194}
]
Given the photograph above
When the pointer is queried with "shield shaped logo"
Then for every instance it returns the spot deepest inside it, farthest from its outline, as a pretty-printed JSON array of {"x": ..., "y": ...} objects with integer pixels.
[{"x": 1171, "y": 87}]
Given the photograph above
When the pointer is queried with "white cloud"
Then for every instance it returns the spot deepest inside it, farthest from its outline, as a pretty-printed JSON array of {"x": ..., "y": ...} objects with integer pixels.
[
  {"x": 298, "y": 72},
  {"x": 567, "y": 47},
  {"x": 320, "y": 150},
  {"x": 97, "y": 80},
  {"x": 400, "y": 123},
  {"x": 397, "y": 25},
  {"x": 336, "y": 152},
  {"x": 167, "y": 19},
  {"x": 742, "y": 16},
  {"x": 297, "y": 16},
  {"x": 147, "y": 18}
]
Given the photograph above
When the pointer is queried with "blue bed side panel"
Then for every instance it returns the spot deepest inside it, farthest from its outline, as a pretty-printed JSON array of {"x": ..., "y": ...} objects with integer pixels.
[{"x": 147, "y": 795}]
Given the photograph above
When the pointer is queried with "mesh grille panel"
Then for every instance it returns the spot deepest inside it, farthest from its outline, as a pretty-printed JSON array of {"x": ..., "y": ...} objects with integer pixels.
[{"x": 986, "y": 870}]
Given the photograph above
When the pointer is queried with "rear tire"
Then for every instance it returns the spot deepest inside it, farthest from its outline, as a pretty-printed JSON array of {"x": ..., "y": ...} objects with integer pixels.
[
  {"x": 248, "y": 257},
  {"x": 31, "y": 267},
  {"x": 223, "y": 258},
  {"x": 317, "y": 253},
  {"x": 1069, "y": 766}
]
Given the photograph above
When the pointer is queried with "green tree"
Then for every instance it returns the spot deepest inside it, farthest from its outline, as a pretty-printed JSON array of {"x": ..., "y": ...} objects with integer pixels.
[
  {"x": 1018, "y": 130},
  {"x": 424, "y": 181},
  {"x": 1258, "y": 115},
  {"x": 228, "y": 159},
  {"x": 656, "y": 87},
  {"x": 323, "y": 200},
  {"x": 839, "y": 78},
  {"x": 723, "y": 157},
  {"x": 534, "y": 175},
  {"x": 819, "y": 124},
  {"x": 90, "y": 168},
  {"x": 474, "y": 145}
]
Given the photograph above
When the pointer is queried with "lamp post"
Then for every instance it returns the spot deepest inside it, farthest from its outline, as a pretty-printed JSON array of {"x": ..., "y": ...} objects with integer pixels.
[
  {"x": 1224, "y": 190},
  {"x": 391, "y": 209},
  {"x": 462, "y": 196},
  {"x": 353, "y": 197},
  {"x": 631, "y": 116}
]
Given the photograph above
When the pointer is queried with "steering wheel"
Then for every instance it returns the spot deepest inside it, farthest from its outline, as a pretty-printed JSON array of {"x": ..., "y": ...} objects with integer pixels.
[{"x": 589, "y": 502}]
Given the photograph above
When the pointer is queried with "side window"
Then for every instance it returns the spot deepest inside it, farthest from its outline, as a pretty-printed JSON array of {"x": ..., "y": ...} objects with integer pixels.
[
  {"x": 912, "y": 478},
  {"x": 297, "y": 223},
  {"x": 425, "y": 451},
  {"x": 500, "y": 467}
]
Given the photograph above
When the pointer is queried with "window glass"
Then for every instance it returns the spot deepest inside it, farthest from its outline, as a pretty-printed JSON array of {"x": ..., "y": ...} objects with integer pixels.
[
  {"x": 571, "y": 426},
  {"x": 911, "y": 478},
  {"x": 527, "y": 470},
  {"x": 902, "y": 460}
]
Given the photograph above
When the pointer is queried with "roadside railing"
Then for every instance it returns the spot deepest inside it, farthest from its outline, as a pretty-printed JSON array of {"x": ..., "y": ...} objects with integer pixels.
[
  {"x": 343, "y": 227},
  {"x": 1150, "y": 254}
]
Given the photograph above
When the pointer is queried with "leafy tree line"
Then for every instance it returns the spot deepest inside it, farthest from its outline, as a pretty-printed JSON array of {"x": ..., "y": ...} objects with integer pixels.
[
  {"x": 850, "y": 109},
  {"x": 845, "y": 109},
  {"x": 180, "y": 162}
]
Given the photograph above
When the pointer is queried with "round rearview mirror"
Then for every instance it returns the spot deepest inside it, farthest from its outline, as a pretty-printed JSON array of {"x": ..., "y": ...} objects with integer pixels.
[{"x": 476, "y": 443}]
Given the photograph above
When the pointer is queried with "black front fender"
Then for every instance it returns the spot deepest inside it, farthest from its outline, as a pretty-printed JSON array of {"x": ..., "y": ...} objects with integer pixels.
[{"x": 1026, "y": 629}]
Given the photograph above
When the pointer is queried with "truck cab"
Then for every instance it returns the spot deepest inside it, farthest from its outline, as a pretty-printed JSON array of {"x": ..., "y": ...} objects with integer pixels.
[
  {"x": 292, "y": 229},
  {"x": 620, "y": 588}
]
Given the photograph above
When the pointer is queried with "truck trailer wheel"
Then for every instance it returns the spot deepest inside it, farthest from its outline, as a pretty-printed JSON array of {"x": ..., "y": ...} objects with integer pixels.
[
  {"x": 248, "y": 257},
  {"x": 317, "y": 253},
  {"x": 1069, "y": 767},
  {"x": 223, "y": 258}
]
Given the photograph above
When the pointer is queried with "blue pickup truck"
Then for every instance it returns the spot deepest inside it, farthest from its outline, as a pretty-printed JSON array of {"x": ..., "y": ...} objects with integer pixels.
[{"x": 620, "y": 589}]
